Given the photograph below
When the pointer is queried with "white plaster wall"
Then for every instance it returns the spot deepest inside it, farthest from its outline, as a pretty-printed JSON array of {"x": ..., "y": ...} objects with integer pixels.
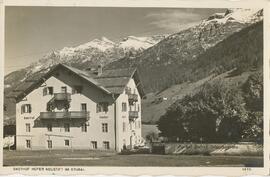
[
  {"x": 82, "y": 140},
  {"x": 124, "y": 117}
]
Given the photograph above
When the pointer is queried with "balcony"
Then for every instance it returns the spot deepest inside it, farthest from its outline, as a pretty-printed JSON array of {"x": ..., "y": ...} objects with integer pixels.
[
  {"x": 133, "y": 97},
  {"x": 65, "y": 115},
  {"x": 62, "y": 96},
  {"x": 133, "y": 115}
]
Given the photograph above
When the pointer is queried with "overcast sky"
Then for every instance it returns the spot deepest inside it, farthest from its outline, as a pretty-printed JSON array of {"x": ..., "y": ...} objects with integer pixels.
[{"x": 31, "y": 32}]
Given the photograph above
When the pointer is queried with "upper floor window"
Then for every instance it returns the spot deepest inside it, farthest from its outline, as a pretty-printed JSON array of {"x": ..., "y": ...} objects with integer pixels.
[
  {"x": 124, "y": 107},
  {"x": 26, "y": 108},
  {"x": 28, "y": 127},
  {"x": 47, "y": 91},
  {"x": 104, "y": 127},
  {"x": 84, "y": 127},
  {"x": 49, "y": 127},
  {"x": 83, "y": 107},
  {"x": 102, "y": 107},
  {"x": 67, "y": 127},
  {"x": 77, "y": 89},
  {"x": 138, "y": 108},
  {"x": 64, "y": 89},
  {"x": 124, "y": 127}
]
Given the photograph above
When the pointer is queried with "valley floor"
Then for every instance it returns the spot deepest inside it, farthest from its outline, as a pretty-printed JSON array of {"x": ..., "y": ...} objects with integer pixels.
[{"x": 102, "y": 158}]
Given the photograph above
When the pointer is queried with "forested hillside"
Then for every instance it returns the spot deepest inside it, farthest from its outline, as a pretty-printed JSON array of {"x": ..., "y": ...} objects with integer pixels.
[{"x": 241, "y": 52}]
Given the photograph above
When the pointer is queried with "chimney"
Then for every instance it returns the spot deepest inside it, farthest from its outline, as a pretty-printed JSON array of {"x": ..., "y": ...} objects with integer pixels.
[{"x": 99, "y": 72}]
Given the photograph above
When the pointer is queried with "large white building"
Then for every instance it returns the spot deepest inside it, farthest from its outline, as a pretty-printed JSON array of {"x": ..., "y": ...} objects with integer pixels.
[{"x": 68, "y": 108}]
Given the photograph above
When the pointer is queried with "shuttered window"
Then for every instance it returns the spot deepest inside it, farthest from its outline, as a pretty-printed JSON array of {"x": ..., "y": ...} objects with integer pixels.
[{"x": 26, "y": 108}]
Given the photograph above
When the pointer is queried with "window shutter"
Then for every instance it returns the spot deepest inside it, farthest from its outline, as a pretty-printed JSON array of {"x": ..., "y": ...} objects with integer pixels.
[
  {"x": 44, "y": 91},
  {"x": 22, "y": 109},
  {"x": 105, "y": 107},
  {"x": 30, "y": 108}
]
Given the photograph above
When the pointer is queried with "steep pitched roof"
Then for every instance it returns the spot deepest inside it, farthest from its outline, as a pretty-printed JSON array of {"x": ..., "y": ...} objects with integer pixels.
[{"x": 110, "y": 81}]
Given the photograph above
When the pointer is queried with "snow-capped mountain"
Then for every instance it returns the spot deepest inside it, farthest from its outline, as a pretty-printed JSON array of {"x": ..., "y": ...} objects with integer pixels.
[
  {"x": 159, "y": 63},
  {"x": 97, "y": 51},
  {"x": 164, "y": 59},
  {"x": 235, "y": 15}
]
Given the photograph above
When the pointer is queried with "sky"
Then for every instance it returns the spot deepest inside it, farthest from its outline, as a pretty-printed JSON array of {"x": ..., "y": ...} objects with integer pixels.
[{"x": 31, "y": 32}]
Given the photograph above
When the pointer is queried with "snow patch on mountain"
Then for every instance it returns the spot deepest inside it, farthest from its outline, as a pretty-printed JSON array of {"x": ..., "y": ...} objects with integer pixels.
[{"x": 235, "y": 15}]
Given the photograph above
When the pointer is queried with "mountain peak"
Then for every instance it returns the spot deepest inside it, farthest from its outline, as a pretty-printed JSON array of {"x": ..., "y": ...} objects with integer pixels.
[{"x": 235, "y": 15}]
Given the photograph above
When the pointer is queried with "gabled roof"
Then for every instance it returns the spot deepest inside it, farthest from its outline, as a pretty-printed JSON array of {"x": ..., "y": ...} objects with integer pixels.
[{"x": 110, "y": 81}]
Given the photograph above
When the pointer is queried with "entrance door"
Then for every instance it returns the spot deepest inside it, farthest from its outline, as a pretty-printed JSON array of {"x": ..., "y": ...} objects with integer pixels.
[{"x": 49, "y": 144}]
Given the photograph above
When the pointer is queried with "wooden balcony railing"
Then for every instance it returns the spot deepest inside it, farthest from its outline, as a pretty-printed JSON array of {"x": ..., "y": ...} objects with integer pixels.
[
  {"x": 65, "y": 115},
  {"x": 133, "y": 115},
  {"x": 62, "y": 96}
]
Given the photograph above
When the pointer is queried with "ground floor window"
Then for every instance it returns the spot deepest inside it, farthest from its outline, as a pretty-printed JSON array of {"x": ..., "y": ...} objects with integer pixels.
[
  {"x": 84, "y": 127},
  {"x": 66, "y": 142},
  {"x": 94, "y": 144},
  {"x": 28, "y": 144},
  {"x": 49, "y": 144},
  {"x": 106, "y": 145}
]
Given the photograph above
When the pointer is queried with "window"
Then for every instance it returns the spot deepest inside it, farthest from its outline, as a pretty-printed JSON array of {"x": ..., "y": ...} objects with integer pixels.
[
  {"x": 77, "y": 89},
  {"x": 84, "y": 127},
  {"x": 67, "y": 127},
  {"x": 106, "y": 145},
  {"x": 26, "y": 108},
  {"x": 66, "y": 142},
  {"x": 49, "y": 144},
  {"x": 139, "y": 124},
  {"x": 138, "y": 108},
  {"x": 102, "y": 107},
  {"x": 83, "y": 107},
  {"x": 94, "y": 144},
  {"x": 128, "y": 90},
  {"x": 28, "y": 128},
  {"x": 124, "y": 126},
  {"x": 124, "y": 107},
  {"x": 64, "y": 89},
  {"x": 47, "y": 91},
  {"x": 50, "y": 107},
  {"x": 104, "y": 127},
  {"x": 49, "y": 127},
  {"x": 28, "y": 144}
]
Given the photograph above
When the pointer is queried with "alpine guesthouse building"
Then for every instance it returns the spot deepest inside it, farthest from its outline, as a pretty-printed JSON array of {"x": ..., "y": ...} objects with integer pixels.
[{"x": 68, "y": 108}]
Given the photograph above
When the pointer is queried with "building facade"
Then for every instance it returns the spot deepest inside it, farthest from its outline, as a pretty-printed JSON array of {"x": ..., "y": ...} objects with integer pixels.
[{"x": 68, "y": 108}]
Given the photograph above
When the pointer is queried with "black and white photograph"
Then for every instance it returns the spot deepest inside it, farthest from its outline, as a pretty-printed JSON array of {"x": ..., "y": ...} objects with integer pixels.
[{"x": 133, "y": 87}]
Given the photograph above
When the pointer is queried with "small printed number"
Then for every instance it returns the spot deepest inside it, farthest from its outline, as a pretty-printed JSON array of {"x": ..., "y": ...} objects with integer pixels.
[{"x": 246, "y": 169}]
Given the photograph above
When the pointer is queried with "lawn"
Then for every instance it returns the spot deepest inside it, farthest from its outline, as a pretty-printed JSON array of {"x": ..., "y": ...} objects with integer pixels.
[{"x": 99, "y": 158}]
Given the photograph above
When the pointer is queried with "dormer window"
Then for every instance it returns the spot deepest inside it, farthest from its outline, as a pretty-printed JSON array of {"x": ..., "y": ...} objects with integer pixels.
[
  {"x": 48, "y": 91},
  {"x": 77, "y": 89},
  {"x": 102, "y": 107}
]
